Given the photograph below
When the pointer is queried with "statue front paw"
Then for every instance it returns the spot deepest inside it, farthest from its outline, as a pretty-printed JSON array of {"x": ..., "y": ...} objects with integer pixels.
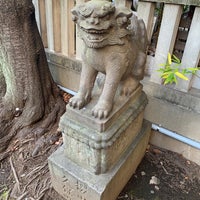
[
  {"x": 77, "y": 102},
  {"x": 102, "y": 110}
]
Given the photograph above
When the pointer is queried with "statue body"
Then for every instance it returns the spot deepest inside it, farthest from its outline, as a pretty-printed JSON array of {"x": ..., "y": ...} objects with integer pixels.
[{"x": 115, "y": 44}]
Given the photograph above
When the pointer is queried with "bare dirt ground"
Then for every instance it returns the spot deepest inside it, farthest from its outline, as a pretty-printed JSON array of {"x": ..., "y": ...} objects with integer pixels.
[{"x": 162, "y": 174}]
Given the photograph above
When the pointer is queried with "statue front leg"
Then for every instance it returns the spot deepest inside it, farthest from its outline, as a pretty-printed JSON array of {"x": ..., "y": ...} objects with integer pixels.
[
  {"x": 83, "y": 96},
  {"x": 105, "y": 102}
]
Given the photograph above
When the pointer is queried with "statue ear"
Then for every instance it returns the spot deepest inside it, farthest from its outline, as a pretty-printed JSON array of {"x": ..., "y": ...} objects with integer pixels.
[
  {"x": 124, "y": 13},
  {"x": 74, "y": 14},
  {"x": 122, "y": 17}
]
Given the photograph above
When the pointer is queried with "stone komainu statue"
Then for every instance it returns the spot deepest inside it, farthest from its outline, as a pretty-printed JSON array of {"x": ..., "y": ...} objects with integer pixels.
[{"x": 115, "y": 44}]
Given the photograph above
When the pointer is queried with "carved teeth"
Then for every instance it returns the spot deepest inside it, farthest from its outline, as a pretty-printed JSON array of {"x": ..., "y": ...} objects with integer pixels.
[
  {"x": 93, "y": 31},
  {"x": 95, "y": 37}
]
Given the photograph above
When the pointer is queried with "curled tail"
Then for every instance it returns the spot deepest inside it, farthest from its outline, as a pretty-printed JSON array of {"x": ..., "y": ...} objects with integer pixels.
[
  {"x": 139, "y": 33},
  {"x": 142, "y": 35},
  {"x": 140, "y": 40}
]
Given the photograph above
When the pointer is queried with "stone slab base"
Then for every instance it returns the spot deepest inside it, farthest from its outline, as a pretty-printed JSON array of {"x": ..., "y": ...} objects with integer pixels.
[
  {"x": 75, "y": 183},
  {"x": 100, "y": 151},
  {"x": 120, "y": 105}
]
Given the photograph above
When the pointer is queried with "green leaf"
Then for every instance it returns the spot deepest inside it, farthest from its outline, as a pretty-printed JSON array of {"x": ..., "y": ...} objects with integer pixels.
[
  {"x": 171, "y": 70},
  {"x": 164, "y": 76},
  {"x": 184, "y": 71},
  {"x": 180, "y": 75},
  {"x": 160, "y": 70},
  {"x": 175, "y": 59},
  {"x": 166, "y": 82},
  {"x": 192, "y": 70},
  {"x": 162, "y": 64},
  {"x": 170, "y": 79},
  {"x": 4, "y": 195},
  {"x": 175, "y": 80},
  {"x": 169, "y": 59}
]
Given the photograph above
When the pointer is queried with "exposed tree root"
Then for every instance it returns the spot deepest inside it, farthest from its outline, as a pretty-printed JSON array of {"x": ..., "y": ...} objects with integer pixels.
[
  {"x": 15, "y": 175},
  {"x": 12, "y": 125},
  {"x": 30, "y": 147},
  {"x": 30, "y": 102},
  {"x": 30, "y": 172}
]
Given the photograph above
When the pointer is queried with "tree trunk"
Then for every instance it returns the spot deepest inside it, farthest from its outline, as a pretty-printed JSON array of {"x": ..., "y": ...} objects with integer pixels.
[{"x": 27, "y": 92}]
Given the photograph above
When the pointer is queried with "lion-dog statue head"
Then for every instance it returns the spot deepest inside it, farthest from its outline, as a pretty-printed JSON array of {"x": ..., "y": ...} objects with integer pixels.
[{"x": 115, "y": 44}]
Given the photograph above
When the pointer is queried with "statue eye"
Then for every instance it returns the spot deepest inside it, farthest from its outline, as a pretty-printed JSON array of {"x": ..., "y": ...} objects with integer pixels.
[{"x": 85, "y": 11}]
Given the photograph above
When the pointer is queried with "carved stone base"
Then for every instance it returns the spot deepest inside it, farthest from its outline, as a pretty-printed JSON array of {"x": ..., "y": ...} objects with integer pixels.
[
  {"x": 97, "y": 151},
  {"x": 76, "y": 183},
  {"x": 121, "y": 104}
]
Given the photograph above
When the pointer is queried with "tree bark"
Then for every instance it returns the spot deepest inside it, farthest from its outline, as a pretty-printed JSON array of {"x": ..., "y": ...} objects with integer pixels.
[{"x": 27, "y": 91}]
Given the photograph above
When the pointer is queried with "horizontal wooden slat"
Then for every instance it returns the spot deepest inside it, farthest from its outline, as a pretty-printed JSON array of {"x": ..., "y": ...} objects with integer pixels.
[{"x": 183, "y": 2}]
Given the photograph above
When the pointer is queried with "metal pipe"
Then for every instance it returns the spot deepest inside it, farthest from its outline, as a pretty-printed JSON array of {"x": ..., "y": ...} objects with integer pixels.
[
  {"x": 67, "y": 90},
  {"x": 135, "y": 4},
  {"x": 176, "y": 136},
  {"x": 156, "y": 127}
]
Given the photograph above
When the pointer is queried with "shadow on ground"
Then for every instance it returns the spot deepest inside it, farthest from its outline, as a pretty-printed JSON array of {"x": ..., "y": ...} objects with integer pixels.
[{"x": 163, "y": 175}]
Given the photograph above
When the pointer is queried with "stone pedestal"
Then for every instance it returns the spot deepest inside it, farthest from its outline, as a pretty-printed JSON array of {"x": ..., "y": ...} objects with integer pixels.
[{"x": 99, "y": 156}]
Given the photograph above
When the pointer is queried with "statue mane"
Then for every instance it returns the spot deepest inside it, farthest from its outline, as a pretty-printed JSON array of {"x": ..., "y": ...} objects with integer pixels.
[{"x": 101, "y": 24}]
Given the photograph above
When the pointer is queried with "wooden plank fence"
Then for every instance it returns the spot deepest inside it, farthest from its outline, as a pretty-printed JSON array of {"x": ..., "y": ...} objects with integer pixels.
[{"x": 59, "y": 33}]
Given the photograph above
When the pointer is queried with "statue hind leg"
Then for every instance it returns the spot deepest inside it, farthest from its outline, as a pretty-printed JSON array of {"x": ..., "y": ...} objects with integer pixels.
[
  {"x": 139, "y": 66},
  {"x": 129, "y": 85}
]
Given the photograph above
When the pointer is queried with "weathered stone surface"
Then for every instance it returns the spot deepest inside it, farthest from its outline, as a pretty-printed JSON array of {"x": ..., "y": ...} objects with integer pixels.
[
  {"x": 109, "y": 29},
  {"x": 75, "y": 183},
  {"x": 64, "y": 61},
  {"x": 177, "y": 111},
  {"x": 65, "y": 70},
  {"x": 103, "y": 132},
  {"x": 99, "y": 151},
  {"x": 121, "y": 103}
]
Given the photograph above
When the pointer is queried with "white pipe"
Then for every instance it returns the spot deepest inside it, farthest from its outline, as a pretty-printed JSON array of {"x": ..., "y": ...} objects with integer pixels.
[
  {"x": 156, "y": 127},
  {"x": 67, "y": 90},
  {"x": 135, "y": 4},
  {"x": 176, "y": 136}
]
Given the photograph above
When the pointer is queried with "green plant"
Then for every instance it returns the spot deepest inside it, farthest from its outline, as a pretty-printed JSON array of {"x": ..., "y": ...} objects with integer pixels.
[
  {"x": 170, "y": 71},
  {"x": 4, "y": 194}
]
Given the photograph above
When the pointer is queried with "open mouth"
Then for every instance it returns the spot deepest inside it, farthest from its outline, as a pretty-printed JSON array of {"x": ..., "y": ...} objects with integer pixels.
[
  {"x": 94, "y": 35},
  {"x": 94, "y": 31},
  {"x": 95, "y": 38}
]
